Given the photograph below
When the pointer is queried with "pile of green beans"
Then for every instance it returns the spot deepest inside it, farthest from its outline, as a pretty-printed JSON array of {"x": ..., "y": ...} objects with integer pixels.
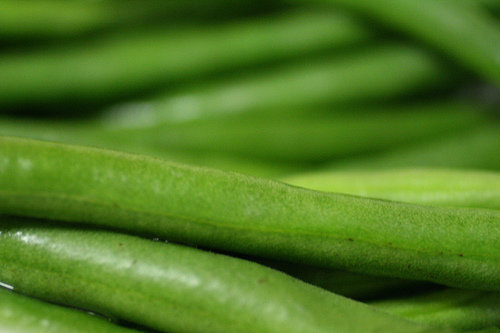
[{"x": 249, "y": 166}]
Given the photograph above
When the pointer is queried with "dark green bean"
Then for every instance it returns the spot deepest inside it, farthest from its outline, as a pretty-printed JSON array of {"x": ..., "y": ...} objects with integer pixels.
[
  {"x": 452, "y": 308},
  {"x": 26, "y": 315},
  {"x": 437, "y": 187},
  {"x": 174, "y": 288},
  {"x": 232, "y": 212},
  {"x": 111, "y": 67}
]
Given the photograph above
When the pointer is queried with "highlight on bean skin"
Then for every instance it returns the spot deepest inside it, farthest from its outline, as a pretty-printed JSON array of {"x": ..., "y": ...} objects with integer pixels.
[
  {"x": 457, "y": 247},
  {"x": 173, "y": 288}
]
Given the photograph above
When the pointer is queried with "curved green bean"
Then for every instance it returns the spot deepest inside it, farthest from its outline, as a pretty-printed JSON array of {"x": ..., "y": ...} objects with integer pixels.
[
  {"x": 470, "y": 149},
  {"x": 437, "y": 187},
  {"x": 464, "y": 31},
  {"x": 114, "y": 66},
  {"x": 26, "y": 315},
  {"x": 236, "y": 213},
  {"x": 452, "y": 308},
  {"x": 174, "y": 288}
]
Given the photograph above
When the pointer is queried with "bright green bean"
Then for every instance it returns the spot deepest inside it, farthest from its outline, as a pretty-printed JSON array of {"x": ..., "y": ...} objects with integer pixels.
[
  {"x": 437, "y": 187},
  {"x": 122, "y": 64},
  {"x": 26, "y": 315},
  {"x": 232, "y": 212},
  {"x": 379, "y": 72},
  {"x": 462, "y": 30},
  {"x": 453, "y": 308},
  {"x": 472, "y": 149},
  {"x": 174, "y": 288}
]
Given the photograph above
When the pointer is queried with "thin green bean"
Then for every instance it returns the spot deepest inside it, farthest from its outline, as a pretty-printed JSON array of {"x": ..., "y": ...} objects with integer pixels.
[
  {"x": 26, "y": 315},
  {"x": 437, "y": 187},
  {"x": 114, "y": 66},
  {"x": 452, "y": 308},
  {"x": 464, "y": 31},
  {"x": 232, "y": 212},
  {"x": 173, "y": 288}
]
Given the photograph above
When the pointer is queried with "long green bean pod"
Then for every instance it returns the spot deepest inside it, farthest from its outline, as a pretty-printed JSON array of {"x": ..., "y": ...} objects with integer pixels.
[
  {"x": 379, "y": 72},
  {"x": 300, "y": 137},
  {"x": 437, "y": 187},
  {"x": 20, "y": 314},
  {"x": 232, "y": 212},
  {"x": 465, "y": 32},
  {"x": 25, "y": 20},
  {"x": 173, "y": 288},
  {"x": 470, "y": 149},
  {"x": 123, "y": 64},
  {"x": 452, "y": 308}
]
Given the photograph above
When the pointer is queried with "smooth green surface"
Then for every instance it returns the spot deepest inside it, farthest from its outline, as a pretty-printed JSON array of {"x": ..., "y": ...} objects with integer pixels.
[
  {"x": 463, "y": 31},
  {"x": 470, "y": 149},
  {"x": 437, "y": 187},
  {"x": 232, "y": 212},
  {"x": 114, "y": 66},
  {"x": 174, "y": 288},
  {"x": 301, "y": 137},
  {"x": 379, "y": 72},
  {"x": 452, "y": 308},
  {"x": 20, "y": 314}
]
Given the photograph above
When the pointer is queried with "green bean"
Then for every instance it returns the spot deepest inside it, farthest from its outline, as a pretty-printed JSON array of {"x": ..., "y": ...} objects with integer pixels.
[
  {"x": 437, "y": 187},
  {"x": 174, "y": 288},
  {"x": 236, "y": 213},
  {"x": 378, "y": 72},
  {"x": 25, "y": 315},
  {"x": 463, "y": 31},
  {"x": 114, "y": 66},
  {"x": 301, "y": 137},
  {"x": 471, "y": 149},
  {"x": 22, "y": 20},
  {"x": 458, "y": 309}
]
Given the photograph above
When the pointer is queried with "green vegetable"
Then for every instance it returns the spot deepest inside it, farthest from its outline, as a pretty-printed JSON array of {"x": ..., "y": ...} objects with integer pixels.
[
  {"x": 114, "y": 66},
  {"x": 437, "y": 187},
  {"x": 463, "y": 31},
  {"x": 459, "y": 309},
  {"x": 302, "y": 137},
  {"x": 232, "y": 212},
  {"x": 470, "y": 149},
  {"x": 25, "y": 315},
  {"x": 375, "y": 73},
  {"x": 174, "y": 288}
]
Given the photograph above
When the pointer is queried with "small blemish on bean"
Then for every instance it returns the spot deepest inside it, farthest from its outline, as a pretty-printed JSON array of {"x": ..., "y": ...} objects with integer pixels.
[
  {"x": 350, "y": 240},
  {"x": 263, "y": 280},
  {"x": 460, "y": 255}
]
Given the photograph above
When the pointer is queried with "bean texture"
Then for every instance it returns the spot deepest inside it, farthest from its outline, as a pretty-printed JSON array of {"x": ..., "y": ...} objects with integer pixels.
[
  {"x": 437, "y": 187},
  {"x": 227, "y": 211},
  {"x": 174, "y": 288},
  {"x": 20, "y": 314}
]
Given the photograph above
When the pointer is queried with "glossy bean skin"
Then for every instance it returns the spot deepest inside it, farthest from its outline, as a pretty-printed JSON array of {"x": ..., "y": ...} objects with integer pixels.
[
  {"x": 470, "y": 149},
  {"x": 451, "y": 308},
  {"x": 436, "y": 187},
  {"x": 463, "y": 31},
  {"x": 173, "y": 288},
  {"x": 21, "y": 314},
  {"x": 162, "y": 56},
  {"x": 232, "y": 212}
]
